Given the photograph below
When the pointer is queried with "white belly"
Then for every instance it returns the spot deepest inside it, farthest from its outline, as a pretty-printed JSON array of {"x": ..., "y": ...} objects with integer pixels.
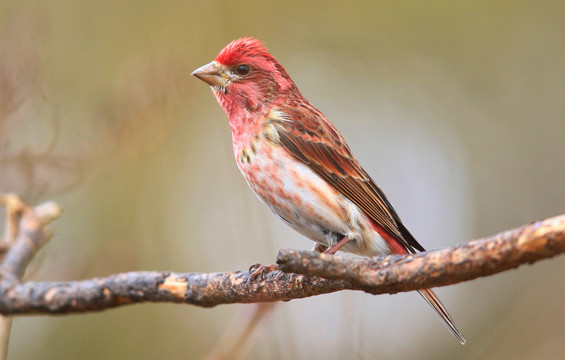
[{"x": 306, "y": 202}]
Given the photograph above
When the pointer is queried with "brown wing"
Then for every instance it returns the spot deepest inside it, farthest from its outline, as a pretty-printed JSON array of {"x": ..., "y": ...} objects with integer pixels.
[{"x": 308, "y": 135}]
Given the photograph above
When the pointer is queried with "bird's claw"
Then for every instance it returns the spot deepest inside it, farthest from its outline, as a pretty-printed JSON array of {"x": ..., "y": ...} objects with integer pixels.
[
  {"x": 257, "y": 270},
  {"x": 319, "y": 248},
  {"x": 254, "y": 267}
]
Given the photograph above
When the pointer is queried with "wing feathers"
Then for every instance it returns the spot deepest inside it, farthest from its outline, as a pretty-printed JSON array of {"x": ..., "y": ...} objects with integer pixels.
[{"x": 312, "y": 139}]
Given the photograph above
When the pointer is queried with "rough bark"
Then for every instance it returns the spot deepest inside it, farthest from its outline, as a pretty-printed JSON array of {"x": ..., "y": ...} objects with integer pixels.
[
  {"x": 302, "y": 273},
  {"x": 458, "y": 263}
]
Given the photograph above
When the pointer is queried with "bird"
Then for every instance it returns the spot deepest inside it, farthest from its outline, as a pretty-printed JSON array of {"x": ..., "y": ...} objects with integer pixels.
[{"x": 299, "y": 165}]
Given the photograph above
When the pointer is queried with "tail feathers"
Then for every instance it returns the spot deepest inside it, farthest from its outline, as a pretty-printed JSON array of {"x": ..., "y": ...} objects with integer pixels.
[{"x": 434, "y": 302}]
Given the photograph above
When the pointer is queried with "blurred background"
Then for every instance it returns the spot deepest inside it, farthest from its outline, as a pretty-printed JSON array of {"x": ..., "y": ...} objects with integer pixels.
[{"x": 457, "y": 109}]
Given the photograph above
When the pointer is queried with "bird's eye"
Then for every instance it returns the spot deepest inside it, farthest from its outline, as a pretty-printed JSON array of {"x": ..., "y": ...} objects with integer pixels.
[{"x": 242, "y": 69}]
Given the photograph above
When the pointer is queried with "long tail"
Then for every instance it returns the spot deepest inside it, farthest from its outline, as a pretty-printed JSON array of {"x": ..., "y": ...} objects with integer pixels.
[
  {"x": 398, "y": 247},
  {"x": 434, "y": 302}
]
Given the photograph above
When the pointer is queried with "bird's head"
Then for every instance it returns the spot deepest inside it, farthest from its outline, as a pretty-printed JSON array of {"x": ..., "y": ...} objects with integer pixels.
[{"x": 245, "y": 77}]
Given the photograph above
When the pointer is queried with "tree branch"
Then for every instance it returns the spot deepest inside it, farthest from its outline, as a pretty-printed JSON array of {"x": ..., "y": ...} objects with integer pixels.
[
  {"x": 206, "y": 290},
  {"x": 304, "y": 274},
  {"x": 458, "y": 263}
]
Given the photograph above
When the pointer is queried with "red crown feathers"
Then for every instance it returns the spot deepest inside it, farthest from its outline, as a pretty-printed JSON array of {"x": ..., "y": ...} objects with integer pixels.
[{"x": 241, "y": 50}]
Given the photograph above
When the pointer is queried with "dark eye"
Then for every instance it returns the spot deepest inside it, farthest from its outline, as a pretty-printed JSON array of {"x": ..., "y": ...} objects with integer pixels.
[{"x": 242, "y": 69}]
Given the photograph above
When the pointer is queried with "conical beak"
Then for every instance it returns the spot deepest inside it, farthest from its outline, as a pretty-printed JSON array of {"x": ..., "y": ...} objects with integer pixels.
[{"x": 211, "y": 74}]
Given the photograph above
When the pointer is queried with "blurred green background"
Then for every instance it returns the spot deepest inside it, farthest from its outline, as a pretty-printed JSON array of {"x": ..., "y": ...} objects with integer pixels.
[{"x": 457, "y": 109}]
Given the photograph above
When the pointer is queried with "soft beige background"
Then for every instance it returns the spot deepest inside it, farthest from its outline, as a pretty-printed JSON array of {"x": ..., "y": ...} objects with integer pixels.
[{"x": 456, "y": 108}]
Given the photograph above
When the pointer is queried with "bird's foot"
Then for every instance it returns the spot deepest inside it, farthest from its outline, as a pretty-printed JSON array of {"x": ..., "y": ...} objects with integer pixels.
[
  {"x": 344, "y": 240},
  {"x": 319, "y": 248},
  {"x": 257, "y": 270}
]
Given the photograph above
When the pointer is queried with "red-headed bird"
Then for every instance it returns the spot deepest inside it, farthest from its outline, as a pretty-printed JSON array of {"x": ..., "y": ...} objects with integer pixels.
[{"x": 299, "y": 165}]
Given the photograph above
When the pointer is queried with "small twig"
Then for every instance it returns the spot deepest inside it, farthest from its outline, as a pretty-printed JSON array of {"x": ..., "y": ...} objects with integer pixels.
[
  {"x": 25, "y": 232},
  {"x": 32, "y": 234},
  {"x": 14, "y": 207},
  {"x": 5, "y": 330}
]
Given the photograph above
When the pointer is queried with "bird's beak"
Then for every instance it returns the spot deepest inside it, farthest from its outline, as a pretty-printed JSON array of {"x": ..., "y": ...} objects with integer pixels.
[{"x": 211, "y": 73}]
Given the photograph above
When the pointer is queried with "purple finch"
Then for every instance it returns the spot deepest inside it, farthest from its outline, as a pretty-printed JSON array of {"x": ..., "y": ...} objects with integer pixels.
[{"x": 299, "y": 165}]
